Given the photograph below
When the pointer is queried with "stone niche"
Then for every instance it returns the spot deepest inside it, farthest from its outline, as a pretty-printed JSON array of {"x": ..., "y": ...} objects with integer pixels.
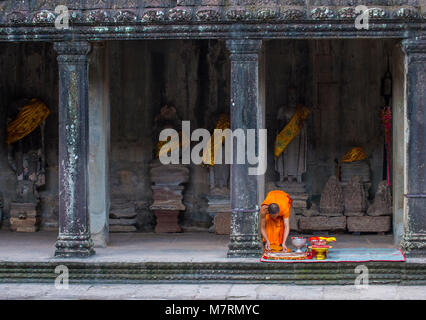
[{"x": 168, "y": 195}]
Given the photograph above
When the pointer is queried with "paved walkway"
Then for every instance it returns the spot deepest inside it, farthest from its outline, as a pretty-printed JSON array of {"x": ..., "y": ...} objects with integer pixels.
[
  {"x": 208, "y": 292},
  {"x": 140, "y": 247}
]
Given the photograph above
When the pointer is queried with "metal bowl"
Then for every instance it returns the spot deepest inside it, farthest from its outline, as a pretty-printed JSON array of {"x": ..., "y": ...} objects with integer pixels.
[{"x": 299, "y": 243}]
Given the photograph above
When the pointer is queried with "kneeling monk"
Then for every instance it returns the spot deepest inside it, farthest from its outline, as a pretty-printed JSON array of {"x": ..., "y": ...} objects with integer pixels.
[{"x": 275, "y": 220}]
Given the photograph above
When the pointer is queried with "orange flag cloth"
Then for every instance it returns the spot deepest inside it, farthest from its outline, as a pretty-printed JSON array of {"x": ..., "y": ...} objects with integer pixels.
[{"x": 275, "y": 227}]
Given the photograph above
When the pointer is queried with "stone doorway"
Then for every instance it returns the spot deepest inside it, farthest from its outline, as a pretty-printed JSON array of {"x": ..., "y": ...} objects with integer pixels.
[{"x": 340, "y": 82}]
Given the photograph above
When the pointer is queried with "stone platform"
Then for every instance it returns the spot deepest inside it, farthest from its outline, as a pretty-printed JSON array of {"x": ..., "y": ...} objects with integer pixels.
[{"x": 188, "y": 258}]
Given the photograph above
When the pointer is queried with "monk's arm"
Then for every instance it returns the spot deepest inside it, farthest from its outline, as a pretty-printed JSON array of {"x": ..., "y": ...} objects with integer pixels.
[{"x": 286, "y": 230}]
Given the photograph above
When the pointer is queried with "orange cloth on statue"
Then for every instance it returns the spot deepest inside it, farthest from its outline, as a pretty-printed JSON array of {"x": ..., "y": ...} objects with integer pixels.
[{"x": 275, "y": 227}]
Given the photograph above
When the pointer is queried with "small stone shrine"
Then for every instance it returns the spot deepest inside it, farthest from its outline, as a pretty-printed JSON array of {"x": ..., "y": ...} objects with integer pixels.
[
  {"x": 330, "y": 216},
  {"x": 218, "y": 199},
  {"x": 168, "y": 180},
  {"x": 167, "y": 195},
  {"x": 355, "y": 197},
  {"x": 379, "y": 214},
  {"x": 122, "y": 216},
  {"x": 25, "y": 137}
]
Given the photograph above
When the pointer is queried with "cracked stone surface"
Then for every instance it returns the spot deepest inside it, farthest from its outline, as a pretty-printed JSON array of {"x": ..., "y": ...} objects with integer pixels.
[{"x": 209, "y": 292}]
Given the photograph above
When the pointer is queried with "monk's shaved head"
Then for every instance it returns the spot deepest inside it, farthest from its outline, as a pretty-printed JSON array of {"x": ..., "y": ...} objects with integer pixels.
[{"x": 273, "y": 208}]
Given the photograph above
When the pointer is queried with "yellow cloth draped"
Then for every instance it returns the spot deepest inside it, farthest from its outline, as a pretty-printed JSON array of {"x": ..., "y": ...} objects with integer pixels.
[
  {"x": 291, "y": 130},
  {"x": 28, "y": 119},
  {"x": 213, "y": 146},
  {"x": 355, "y": 154}
]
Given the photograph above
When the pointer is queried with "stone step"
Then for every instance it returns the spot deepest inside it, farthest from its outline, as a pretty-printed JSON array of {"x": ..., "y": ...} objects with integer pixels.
[
  {"x": 117, "y": 214},
  {"x": 122, "y": 222},
  {"x": 118, "y": 228},
  {"x": 250, "y": 272}
]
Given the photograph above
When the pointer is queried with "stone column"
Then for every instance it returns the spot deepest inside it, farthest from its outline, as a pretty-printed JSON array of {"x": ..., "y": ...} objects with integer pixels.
[
  {"x": 245, "y": 235},
  {"x": 414, "y": 238},
  {"x": 99, "y": 134},
  {"x": 74, "y": 230}
]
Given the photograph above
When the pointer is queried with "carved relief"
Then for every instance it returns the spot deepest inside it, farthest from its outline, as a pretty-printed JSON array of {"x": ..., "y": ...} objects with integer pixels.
[
  {"x": 153, "y": 16},
  {"x": 179, "y": 15},
  {"x": 406, "y": 13},
  {"x": 377, "y": 13},
  {"x": 238, "y": 15},
  {"x": 124, "y": 16},
  {"x": 97, "y": 16},
  {"x": 292, "y": 14},
  {"x": 43, "y": 16},
  {"x": 267, "y": 14},
  {"x": 347, "y": 13},
  {"x": 323, "y": 13},
  {"x": 207, "y": 15}
]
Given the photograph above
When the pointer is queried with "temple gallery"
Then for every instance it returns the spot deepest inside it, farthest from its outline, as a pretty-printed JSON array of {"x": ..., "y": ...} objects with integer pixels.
[{"x": 83, "y": 120}]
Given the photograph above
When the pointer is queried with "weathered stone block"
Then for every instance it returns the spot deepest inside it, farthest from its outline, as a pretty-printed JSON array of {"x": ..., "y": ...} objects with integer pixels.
[
  {"x": 355, "y": 197},
  {"x": 294, "y": 222},
  {"x": 310, "y": 212},
  {"x": 167, "y": 221},
  {"x": 322, "y": 223},
  {"x": 382, "y": 204},
  {"x": 120, "y": 228},
  {"x": 169, "y": 174},
  {"x": 332, "y": 201},
  {"x": 369, "y": 224},
  {"x": 222, "y": 223}
]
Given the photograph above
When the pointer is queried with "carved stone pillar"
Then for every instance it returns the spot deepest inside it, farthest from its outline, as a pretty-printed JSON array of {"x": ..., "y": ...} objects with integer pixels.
[
  {"x": 414, "y": 238},
  {"x": 74, "y": 230},
  {"x": 245, "y": 235}
]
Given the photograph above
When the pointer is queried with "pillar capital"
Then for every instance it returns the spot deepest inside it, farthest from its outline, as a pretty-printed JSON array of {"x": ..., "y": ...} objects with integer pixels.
[
  {"x": 72, "y": 47},
  {"x": 243, "y": 45},
  {"x": 72, "y": 52},
  {"x": 415, "y": 49},
  {"x": 244, "y": 49}
]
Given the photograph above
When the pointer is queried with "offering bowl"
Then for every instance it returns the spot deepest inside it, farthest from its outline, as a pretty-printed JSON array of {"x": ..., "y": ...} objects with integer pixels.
[{"x": 299, "y": 243}]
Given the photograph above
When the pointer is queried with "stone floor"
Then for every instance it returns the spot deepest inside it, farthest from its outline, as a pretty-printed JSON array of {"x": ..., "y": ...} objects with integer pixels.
[
  {"x": 139, "y": 247},
  {"x": 210, "y": 291}
]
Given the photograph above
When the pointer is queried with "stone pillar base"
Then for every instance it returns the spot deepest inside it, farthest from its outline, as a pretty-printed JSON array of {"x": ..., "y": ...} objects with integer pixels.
[
  {"x": 74, "y": 248},
  {"x": 167, "y": 221},
  {"x": 245, "y": 246},
  {"x": 414, "y": 245},
  {"x": 245, "y": 240}
]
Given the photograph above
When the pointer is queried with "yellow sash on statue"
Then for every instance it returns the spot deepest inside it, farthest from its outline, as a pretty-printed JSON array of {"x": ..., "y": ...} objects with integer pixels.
[
  {"x": 28, "y": 119},
  {"x": 213, "y": 146},
  {"x": 291, "y": 130}
]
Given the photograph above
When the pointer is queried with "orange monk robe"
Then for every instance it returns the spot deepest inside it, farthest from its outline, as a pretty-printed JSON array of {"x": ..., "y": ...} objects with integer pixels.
[{"x": 275, "y": 227}]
